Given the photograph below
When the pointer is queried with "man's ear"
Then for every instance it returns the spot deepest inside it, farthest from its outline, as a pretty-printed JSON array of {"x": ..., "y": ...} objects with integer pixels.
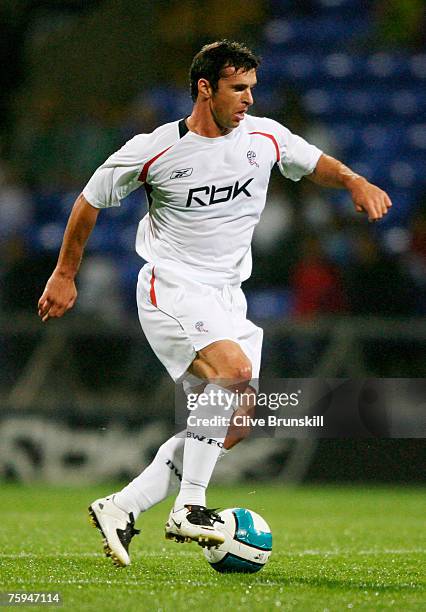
[{"x": 204, "y": 88}]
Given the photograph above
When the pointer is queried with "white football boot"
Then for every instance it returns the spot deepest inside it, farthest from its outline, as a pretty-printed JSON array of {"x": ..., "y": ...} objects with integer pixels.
[
  {"x": 194, "y": 524},
  {"x": 116, "y": 526}
]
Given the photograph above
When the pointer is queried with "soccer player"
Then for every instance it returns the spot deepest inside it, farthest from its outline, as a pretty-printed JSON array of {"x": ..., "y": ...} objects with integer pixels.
[{"x": 205, "y": 178}]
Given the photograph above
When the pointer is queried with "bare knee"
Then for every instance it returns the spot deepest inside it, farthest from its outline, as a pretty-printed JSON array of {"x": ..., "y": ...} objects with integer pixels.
[
  {"x": 239, "y": 371},
  {"x": 223, "y": 362}
]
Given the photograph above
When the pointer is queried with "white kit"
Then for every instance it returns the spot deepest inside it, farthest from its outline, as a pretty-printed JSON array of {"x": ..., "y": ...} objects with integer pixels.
[{"x": 205, "y": 198}]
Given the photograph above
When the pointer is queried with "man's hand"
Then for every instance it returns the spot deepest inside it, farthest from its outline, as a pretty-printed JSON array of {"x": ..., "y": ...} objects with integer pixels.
[
  {"x": 60, "y": 292},
  {"x": 369, "y": 199},
  {"x": 58, "y": 296}
]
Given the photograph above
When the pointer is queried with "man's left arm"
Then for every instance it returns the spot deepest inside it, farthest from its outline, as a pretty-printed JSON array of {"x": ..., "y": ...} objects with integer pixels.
[{"x": 368, "y": 198}]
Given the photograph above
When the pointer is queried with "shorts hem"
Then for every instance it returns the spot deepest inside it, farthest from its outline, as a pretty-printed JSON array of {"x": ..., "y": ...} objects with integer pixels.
[
  {"x": 200, "y": 345},
  {"x": 178, "y": 374}
]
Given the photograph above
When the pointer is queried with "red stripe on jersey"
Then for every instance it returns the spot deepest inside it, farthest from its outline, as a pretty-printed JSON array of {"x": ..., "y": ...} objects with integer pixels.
[
  {"x": 152, "y": 291},
  {"x": 277, "y": 149},
  {"x": 147, "y": 165}
]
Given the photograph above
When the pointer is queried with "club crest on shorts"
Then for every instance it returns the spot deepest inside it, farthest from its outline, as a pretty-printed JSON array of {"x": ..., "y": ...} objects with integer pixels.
[
  {"x": 251, "y": 156},
  {"x": 199, "y": 326}
]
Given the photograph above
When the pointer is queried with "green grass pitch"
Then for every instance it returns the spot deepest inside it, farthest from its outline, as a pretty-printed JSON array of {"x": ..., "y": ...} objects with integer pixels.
[{"x": 334, "y": 548}]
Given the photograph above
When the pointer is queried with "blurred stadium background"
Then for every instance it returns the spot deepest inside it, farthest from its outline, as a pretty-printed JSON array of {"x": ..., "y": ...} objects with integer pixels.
[{"x": 336, "y": 296}]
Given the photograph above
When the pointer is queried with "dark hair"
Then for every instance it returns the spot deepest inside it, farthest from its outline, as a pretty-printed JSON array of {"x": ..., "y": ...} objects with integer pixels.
[{"x": 214, "y": 57}]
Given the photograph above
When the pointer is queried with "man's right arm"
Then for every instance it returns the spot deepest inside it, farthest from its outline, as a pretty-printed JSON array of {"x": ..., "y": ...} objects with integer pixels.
[{"x": 60, "y": 292}]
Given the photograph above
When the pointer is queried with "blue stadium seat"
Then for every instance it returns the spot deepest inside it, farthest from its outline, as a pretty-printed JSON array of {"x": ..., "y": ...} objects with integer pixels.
[
  {"x": 339, "y": 6},
  {"x": 386, "y": 140},
  {"x": 105, "y": 239},
  {"x": 48, "y": 206},
  {"x": 346, "y": 136},
  {"x": 269, "y": 303},
  {"x": 385, "y": 65},
  {"x": 320, "y": 33},
  {"x": 402, "y": 206},
  {"x": 318, "y": 7},
  {"x": 46, "y": 237},
  {"x": 338, "y": 66},
  {"x": 417, "y": 65},
  {"x": 416, "y": 137},
  {"x": 329, "y": 67},
  {"x": 374, "y": 103},
  {"x": 171, "y": 103},
  {"x": 408, "y": 172},
  {"x": 408, "y": 102}
]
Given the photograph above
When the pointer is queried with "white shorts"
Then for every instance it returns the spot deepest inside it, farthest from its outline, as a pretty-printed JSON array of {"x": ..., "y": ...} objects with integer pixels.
[{"x": 180, "y": 317}]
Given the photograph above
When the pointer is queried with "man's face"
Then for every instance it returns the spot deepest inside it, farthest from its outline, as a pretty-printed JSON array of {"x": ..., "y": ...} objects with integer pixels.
[{"x": 233, "y": 97}]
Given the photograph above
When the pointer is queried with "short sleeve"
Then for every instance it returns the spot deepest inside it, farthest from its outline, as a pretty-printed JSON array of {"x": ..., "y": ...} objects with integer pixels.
[
  {"x": 298, "y": 158},
  {"x": 118, "y": 175}
]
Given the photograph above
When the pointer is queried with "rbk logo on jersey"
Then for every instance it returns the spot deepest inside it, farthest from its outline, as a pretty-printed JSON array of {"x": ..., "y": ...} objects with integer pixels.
[
  {"x": 181, "y": 173},
  {"x": 217, "y": 194}
]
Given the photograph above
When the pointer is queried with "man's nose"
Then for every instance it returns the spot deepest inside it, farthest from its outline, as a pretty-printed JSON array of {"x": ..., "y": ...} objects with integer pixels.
[{"x": 248, "y": 97}]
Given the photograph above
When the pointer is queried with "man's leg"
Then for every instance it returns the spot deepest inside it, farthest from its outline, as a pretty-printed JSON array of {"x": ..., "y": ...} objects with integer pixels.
[
  {"x": 210, "y": 364},
  {"x": 164, "y": 474},
  {"x": 223, "y": 365},
  {"x": 157, "y": 481},
  {"x": 116, "y": 514}
]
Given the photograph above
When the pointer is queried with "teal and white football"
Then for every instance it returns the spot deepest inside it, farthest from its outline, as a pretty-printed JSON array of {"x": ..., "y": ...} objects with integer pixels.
[{"x": 248, "y": 542}]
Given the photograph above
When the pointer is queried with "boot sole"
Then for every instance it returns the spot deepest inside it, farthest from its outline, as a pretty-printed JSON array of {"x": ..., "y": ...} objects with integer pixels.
[{"x": 202, "y": 540}]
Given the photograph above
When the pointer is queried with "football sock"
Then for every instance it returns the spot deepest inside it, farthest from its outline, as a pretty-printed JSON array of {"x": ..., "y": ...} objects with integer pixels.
[
  {"x": 157, "y": 481},
  {"x": 223, "y": 452},
  {"x": 203, "y": 444}
]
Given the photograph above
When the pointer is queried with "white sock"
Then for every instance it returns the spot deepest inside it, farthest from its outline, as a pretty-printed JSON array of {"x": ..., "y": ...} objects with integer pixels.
[
  {"x": 223, "y": 453},
  {"x": 157, "y": 481},
  {"x": 201, "y": 451}
]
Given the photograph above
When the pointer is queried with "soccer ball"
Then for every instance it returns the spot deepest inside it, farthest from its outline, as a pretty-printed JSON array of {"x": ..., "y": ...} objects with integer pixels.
[{"x": 248, "y": 542}]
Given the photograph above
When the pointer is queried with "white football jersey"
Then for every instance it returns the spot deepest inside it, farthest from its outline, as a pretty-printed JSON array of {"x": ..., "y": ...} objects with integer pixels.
[{"x": 205, "y": 195}]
